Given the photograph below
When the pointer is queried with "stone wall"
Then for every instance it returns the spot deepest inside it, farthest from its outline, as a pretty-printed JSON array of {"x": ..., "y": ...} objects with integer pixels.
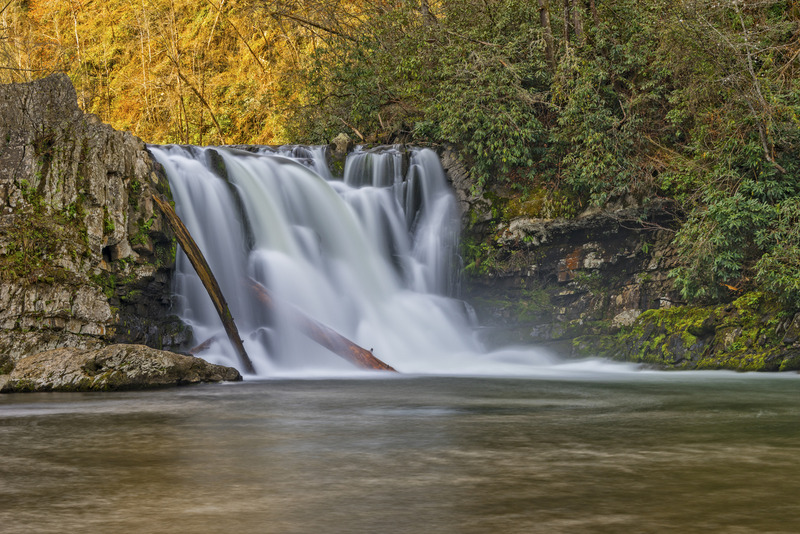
[{"x": 85, "y": 260}]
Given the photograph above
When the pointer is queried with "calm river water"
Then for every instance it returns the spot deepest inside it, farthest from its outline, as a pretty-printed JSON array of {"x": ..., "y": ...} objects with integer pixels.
[{"x": 616, "y": 453}]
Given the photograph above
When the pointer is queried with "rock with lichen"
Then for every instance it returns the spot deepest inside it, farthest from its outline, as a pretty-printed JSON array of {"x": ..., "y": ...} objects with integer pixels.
[{"x": 114, "y": 367}]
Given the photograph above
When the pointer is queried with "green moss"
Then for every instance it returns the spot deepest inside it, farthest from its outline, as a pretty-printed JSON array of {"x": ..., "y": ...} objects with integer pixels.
[
  {"x": 142, "y": 234},
  {"x": 107, "y": 282},
  {"x": 740, "y": 336},
  {"x": 108, "y": 223},
  {"x": 541, "y": 203},
  {"x": 23, "y": 386},
  {"x": 35, "y": 241},
  {"x": 6, "y": 364},
  {"x": 165, "y": 253},
  {"x": 790, "y": 363},
  {"x": 337, "y": 167},
  {"x": 479, "y": 257}
]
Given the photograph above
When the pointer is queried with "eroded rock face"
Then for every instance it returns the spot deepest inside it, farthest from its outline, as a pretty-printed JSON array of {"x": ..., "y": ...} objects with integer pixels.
[
  {"x": 475, "y": 208},
  {"x": 550, "y": 281},
  {"x": 114, "y": 367},
  {"x": 85, "y": 260},
  {"x": 598, "y": 284}
]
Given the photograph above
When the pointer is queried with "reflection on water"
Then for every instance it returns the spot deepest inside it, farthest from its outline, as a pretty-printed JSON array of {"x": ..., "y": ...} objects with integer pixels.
[{"x": 642, "y": 453}]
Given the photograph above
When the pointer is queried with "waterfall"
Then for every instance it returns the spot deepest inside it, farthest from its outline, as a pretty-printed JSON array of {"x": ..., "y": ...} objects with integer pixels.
[{"x": 372, "y": 255}]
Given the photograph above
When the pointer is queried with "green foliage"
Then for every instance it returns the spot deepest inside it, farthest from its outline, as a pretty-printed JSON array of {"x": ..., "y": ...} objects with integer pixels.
[
  {"x": 141, "y": 236},
  {"x": 778, "y": 269},
  {"x": 742, "y": 336},
  {"x": 475, "y": 81},
  {"x": 610, "y": 91},
  {"x": 108, "y": 223},
  {"x": 478, "y": 257}
]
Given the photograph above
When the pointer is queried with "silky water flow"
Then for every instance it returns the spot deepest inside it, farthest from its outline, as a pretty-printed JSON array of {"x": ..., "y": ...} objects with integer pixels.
[{"x": 372, "y": 255}]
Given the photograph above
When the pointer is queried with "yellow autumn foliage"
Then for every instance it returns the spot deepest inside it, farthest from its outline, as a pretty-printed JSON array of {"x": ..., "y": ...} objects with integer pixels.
[{"x": 175, "y": 71}]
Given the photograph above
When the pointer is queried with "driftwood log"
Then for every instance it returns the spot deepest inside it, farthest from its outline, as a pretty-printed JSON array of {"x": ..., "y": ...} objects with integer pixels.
[
  {"x": 324, "y": 335},
  {"x": 207, "y": 277}
]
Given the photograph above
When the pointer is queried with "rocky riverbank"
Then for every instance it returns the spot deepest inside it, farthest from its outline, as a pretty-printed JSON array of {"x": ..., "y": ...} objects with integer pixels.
[{"x": 598, "y": 283}]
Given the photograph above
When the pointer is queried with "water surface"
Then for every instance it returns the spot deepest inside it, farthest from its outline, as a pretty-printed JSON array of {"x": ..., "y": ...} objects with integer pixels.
[{"x": 634, "y": 452}]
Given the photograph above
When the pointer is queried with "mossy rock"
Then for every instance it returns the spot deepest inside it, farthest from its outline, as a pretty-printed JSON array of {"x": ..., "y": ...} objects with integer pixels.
[
  {"x": 740, "y": 336},
  {"x": 6, "y": 364}
]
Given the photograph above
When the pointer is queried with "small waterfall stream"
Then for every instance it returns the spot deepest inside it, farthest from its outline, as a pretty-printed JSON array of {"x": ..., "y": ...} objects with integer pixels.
[{"x": 372, "y": 255}]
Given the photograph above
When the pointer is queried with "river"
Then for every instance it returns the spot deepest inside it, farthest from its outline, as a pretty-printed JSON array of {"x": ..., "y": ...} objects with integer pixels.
[{"x": 602, "y": 452}]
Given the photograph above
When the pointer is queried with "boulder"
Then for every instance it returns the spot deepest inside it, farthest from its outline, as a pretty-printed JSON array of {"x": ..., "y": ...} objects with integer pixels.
[{"x": 114, "y": 367}]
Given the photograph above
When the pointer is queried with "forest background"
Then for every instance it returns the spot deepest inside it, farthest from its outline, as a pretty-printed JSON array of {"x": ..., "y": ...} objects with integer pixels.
[{"x": 691, "y": 104}]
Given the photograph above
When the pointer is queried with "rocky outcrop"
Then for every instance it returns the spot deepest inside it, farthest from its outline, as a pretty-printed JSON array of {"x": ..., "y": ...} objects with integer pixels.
[
  {"x": 598, "y": 284},
  {"x": 551, "y": 280},
  {"x": 475, "y": 207},
  {"x": 85, "y": 260},
  {"x": 116, "y": 367}
]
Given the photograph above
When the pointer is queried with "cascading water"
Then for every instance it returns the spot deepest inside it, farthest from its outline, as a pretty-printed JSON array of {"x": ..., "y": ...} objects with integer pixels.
[{"x": 371, "y": 256}]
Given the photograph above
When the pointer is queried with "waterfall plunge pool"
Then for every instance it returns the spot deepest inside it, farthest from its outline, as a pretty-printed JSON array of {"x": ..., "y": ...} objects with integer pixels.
[{"x": 616, "y": 452}]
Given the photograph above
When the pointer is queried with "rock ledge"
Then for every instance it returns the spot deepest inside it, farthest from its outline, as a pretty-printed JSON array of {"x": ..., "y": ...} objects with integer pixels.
[{"x": 115, "y": 367}]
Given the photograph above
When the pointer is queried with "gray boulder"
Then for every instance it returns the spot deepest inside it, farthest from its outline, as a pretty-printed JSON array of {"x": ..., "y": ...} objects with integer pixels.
[{"x": 114, "y": 367}]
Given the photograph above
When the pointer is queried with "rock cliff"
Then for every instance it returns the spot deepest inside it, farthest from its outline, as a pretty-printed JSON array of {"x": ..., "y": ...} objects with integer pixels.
[{"x": 85, "y": 260}]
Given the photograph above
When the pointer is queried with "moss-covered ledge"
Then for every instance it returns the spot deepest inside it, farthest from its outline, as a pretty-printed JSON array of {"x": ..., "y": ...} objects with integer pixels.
[{"x": 750, "y": 334}]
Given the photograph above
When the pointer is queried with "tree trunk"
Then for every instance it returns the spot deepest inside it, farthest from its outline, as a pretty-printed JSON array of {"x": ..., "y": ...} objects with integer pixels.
[
  {"x": 577, "y": 21},
  {"x": 593, "y": 10},
  {"x": 547, "y": 28},
  {"x": 207, "y": 277},
  {"x": 325, "y": 336}
]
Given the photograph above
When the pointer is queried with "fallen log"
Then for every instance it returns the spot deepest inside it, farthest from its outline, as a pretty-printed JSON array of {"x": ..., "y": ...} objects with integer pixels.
[
  {"x": 324, "y": 335},
  {"x": 207, "y": 277}
]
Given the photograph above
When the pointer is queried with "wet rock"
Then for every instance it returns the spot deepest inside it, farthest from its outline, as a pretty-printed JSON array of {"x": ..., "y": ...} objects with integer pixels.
[
  {"x": 114, "y": 367},
  {"x": 739, "y": 336},
  {"x": 341, "y": 144},
  {"x": 625, "y": 318},
  {"x": 594, "y": 273},
  {"x": 475, "y": 207},
  {"x": 792, "y": 333}
]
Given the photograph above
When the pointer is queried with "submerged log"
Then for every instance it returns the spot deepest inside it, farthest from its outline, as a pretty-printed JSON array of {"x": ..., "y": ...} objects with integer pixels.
[
  {"x": 324, "y": 335},
  {"x": 204, "y": 346},
  {"x": 207, "y": 277}
]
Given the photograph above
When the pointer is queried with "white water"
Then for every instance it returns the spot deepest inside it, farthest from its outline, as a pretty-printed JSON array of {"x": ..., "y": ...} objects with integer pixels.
[{"x": 372, "y": 256}]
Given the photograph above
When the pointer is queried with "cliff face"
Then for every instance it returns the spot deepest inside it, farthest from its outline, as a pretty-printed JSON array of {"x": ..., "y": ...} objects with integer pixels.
[
  {"x": 551, "y": 281},
  {"x": 84, "y": 258},
  {"x": 598, "y": 285}
]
